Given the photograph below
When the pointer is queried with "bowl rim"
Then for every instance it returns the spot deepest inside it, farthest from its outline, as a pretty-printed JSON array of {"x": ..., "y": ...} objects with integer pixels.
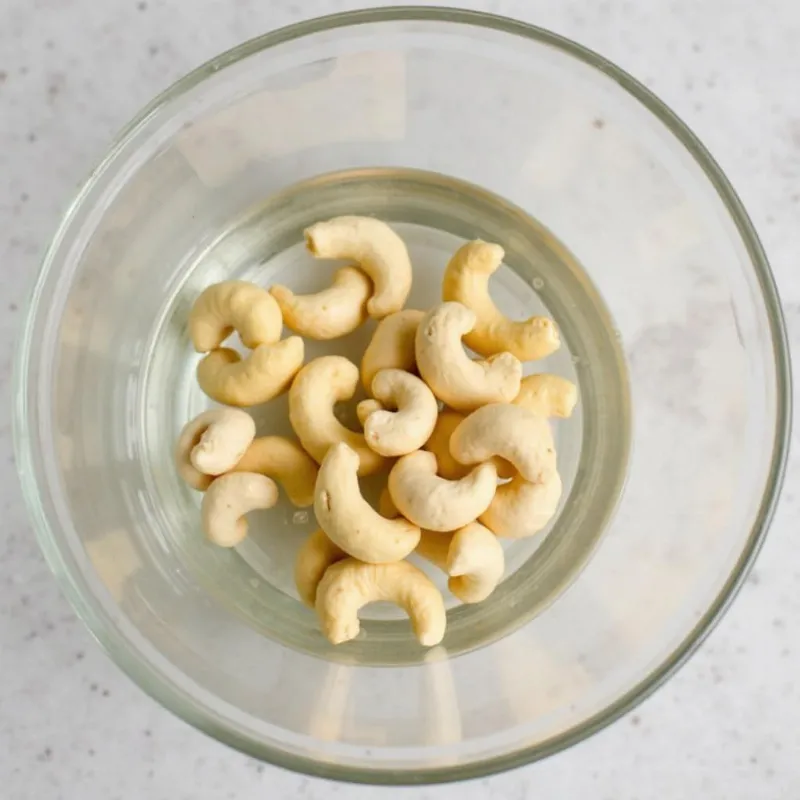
[{"x": 162, "y": 688}]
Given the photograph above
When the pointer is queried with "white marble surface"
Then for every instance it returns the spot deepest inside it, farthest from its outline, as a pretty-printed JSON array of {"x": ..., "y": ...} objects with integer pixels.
[{"x": 71, "y": 73}]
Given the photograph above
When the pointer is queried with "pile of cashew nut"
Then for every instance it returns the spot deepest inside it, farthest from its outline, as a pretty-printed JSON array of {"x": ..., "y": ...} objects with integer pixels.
[{"x": 466, "y": 442}]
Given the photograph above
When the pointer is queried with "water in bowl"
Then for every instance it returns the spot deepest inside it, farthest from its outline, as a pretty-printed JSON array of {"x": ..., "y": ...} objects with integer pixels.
[{"x": 434, "y": 215}]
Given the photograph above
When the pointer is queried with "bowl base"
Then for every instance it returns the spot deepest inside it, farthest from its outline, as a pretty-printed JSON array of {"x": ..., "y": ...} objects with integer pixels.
[{"x": 434, "y": 214}]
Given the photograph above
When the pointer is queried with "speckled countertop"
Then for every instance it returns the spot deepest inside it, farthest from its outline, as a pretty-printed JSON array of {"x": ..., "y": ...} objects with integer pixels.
[{"x": 71, "y": 725}]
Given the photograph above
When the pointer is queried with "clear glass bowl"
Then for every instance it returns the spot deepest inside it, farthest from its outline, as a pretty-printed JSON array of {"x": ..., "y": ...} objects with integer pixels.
[{"x": 615, "y": 220}]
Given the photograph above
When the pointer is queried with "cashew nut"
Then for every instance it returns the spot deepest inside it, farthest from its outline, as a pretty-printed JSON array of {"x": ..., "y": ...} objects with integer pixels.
[
  {"x": 547, "y": 395},
  {"x": 392, "y": 345},
  {"x": 457, "y": 380},
  {"x": 376, "y": 248},
  {"x": 395, "y": 433},
  {"x": 511, "y": 432},
  {"x": 328, "y": 314},
  {"x": 472, "y": 557},
  {"x": 211, "y": 444},
  {"x": 264, "y": 374},
  {"x": 234, "y": 305},
  {"x": 439, "y": 445},
  {"x": 521, "y": 508},
  {"x": 228, "y": 499},
  {"x": 435, "y": 503},
  {"x": 314, "y": 557},
  {"x": 286, "y": 462},
  {"x": 367, "y": 407},
  {"x": 349, "y": 585},
  {"x": 349, "y": 520},
  {"x": 317, "y": 388},
  {"x": 466, "y": 280}
]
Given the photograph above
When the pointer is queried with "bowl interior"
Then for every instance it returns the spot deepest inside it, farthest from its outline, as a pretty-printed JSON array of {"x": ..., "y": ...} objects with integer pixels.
[{"x": 449, "y": 125}]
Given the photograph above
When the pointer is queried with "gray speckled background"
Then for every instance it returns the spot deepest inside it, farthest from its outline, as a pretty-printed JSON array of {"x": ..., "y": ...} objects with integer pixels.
[{"x": 71, "y": 725}]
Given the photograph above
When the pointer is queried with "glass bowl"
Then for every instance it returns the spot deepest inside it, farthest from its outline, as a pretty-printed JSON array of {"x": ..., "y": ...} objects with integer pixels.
[{"x": 615, "y": 220}]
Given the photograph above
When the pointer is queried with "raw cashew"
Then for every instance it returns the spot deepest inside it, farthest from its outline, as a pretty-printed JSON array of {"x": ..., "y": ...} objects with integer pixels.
[
  {"x": 211, "y": 444},
  {"x": 349, "y": 520},
  {"x": 435, "y": 503},
  {"x": 392, "y": 345},
  {"x": 395, "y": 433},
  {"x": 439, "y": 445},
  {"x": 511, "y": 432},
  {"x": 457, "y": 380},
  {"x": 234, "y": 305},
  {"x": 367, "y": 407},
  {"x": 349, "y": 585},
  {"x": 228, "y": 499},
  {"x": 472, "y": 557},
  {"x": 331, "y": 313},
  {"x": 264, "y": 374},
  {"x": 522, "y": 509},
  {"x": 376, "y": 248},
  {"x": 286, "y": 462},
  {"x": 547, "y": 395},
  {"x": 315, "y": 556},
  {"x": 317, "y": 388},
  {"x": 466, "y": 280}
]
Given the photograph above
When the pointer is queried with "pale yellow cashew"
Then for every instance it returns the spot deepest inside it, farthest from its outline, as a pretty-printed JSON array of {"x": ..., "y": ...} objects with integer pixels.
[
  {"x": 511, "y": 432},
  {"x": 396, "y": 433},
  {"x": 349, "y": 585},
  {"x": 439, "y": 445},
  {"x": 349, "y": 520},
  {"x": 234, "y": 305},
  {"x": 367, "y": 407},
  {"x": 472, "y": 557},
  {"x": 466, "y": 280},
  {"x": 228, "y": 499},
  {"x": 521, "y": 509},
  {"x": 435, "y": 503},
  {"x": 267, "y": 372},
  {"x": 547, "y": 395},
  {"x": 376, "y": 248},
  {"x": 321, "y": 384},
  {"x": 475, "y": 563},
  {"x": 457, "y": 380},
  {"x": 392, "y": 345},
  {"x": 328, "y": 314},
  {"x": 286, "y": 462},
  {"x": 212, "y": 443},
  {"x": 315, "y": 556}
]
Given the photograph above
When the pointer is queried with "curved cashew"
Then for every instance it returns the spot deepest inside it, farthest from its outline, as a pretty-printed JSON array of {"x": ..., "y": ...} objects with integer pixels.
[
  {"x": 376, "y": 248},
  {"x": 511, "y": 432},
  {"x": 349, "y": 585},
  {"x": 212, "y": 443},
  {"x": 472, "y": 557},
  {"x": 395, "y": 433},
  {"x": 457, "y": 380},
  {"x": 315, "y": 556},
  {"x": 328, "y": 314},
  {"x": 366, "y": 408},
  {"x": 522, "y": 509},
  {"x": 466, "y": 280},
  {"x": 392, "y": 345},
  {"x": 475, "y": 563},
  {"x": 439, "y": 445},
  {"x": 228, "y": 499},
  {"x": 264, "y": 374},
  {"x": 435, "y": 503},
  {"x": 349, "y": 520},
  {"x": 317, "y": 388},
  {"x": 547, "y": 395},
  {"x": 286, "y": 462},
  {"x": 234, "y": 305}
]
